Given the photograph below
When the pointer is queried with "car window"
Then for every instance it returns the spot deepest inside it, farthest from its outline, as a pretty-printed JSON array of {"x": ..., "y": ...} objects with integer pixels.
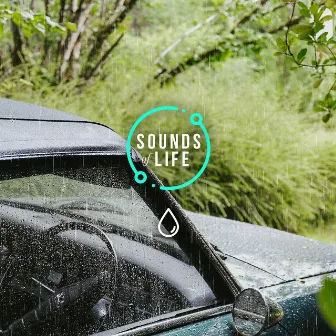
[
  {"x": 90, "y": 192},
  {"x": 154, "y": 276},
  {"x": 118, "y": 206}
]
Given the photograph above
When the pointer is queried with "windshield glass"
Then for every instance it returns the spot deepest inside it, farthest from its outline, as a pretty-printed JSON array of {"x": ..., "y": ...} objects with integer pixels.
[
  {"x": 105, "y": 195},
  {"x": 93, "y": 192},
  {"x": 151, "y": 274}
]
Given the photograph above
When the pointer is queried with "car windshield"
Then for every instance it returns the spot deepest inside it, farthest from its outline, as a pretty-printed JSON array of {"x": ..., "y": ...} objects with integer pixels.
[
  {"x": 93, "y": 192},
  {"x": 104, "y": 195},
  {"x": 152, "y": 275}
]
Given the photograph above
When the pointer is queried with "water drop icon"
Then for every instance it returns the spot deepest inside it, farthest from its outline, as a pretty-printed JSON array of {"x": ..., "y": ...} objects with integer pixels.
[{"x": 174, "y": 230}]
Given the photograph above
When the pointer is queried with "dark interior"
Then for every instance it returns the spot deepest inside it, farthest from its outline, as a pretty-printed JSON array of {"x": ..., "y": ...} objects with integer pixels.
[
  {"x": 73, "y": 283},
  {"x": 33, "y": 269}
]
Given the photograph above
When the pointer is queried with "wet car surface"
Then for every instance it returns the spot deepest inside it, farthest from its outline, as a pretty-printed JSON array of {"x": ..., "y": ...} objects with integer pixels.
[{"x": 81, "y": 254}]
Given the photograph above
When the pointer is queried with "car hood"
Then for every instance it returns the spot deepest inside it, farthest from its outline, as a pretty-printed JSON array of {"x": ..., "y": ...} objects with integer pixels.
[{"x": 259, "y": 256}]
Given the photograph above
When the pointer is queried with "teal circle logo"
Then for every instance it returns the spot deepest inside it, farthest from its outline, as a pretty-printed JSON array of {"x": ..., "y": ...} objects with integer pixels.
[{"x": 195, "y": 119}]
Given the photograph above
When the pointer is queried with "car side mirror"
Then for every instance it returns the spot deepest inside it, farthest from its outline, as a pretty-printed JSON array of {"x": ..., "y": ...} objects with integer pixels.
[{"x": 253, "y": 313}]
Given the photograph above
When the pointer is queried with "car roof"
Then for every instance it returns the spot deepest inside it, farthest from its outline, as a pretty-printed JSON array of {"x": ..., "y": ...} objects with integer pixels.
[{"x": 31, "y": 130}]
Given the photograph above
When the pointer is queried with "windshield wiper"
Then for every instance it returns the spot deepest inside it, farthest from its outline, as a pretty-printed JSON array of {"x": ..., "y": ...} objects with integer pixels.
[{"x": 219, "y": 252}]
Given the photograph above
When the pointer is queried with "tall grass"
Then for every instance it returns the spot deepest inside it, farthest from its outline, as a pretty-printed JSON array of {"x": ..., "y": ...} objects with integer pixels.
[{"x": 270, "y": 165}]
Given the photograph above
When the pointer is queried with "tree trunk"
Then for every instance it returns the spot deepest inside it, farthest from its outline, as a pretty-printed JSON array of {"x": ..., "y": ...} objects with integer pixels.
[
  {"x": 74, "y": 39},
  {"x": 33, "y": 5},
  {"x": 74, "y": 61},
  {"x": 16, "y": 53}
]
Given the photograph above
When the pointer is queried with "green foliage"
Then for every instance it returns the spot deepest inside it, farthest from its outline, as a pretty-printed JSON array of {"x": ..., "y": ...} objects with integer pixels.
[
  {"x": 327, "y": 301},
  {"x": 266, "y": 165},
  {"x": 29, "y": 21},
  {"x": 51, "y": 37},
  {"x": 318, "y": 53}
]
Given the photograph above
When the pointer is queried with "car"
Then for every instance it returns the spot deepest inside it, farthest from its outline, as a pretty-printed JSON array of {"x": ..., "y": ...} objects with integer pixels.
[{"x": 81, "y": 252}]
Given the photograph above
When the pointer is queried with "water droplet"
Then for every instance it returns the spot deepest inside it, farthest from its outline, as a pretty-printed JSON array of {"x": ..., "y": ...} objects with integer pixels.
[{"x": 174, "y": 230}]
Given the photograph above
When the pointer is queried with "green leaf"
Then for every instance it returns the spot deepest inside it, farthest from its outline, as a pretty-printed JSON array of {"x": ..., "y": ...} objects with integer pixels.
[
  {"x": 319, "y": 106},
  {"x": 27, "y": 31},
  {"x": 319, "y": 109},
  {"x": 302, "y": 54},
  {"x": 319, "y": 26},
  {"x": 71, "y": 26},
  {"x": 306, "y": 36},
  {"x": 292, "y": 39},
  {"x": 17, "y": 18},
  {"x": 41, "y": 28},
  {"x": 314, "y": 8},
  {"x": 321, "y": 103},
  {"x": 278, "y": 53},
  {"x": 328, "y": 99},
  {"x": 323, "y": 37},
  {"x": 326, "y": 18},
  {"x": 305, "y": 13},
  {"x": 302, "y": 29},
  {"x": 302, "y": 5},
  {"x": 304, "y": 9},
  {"x": 317, "y": 83},
  {"x": 290, "y": 58},
  {"x": 326, "y": 117},
  {"x": 281, "y": 43}
]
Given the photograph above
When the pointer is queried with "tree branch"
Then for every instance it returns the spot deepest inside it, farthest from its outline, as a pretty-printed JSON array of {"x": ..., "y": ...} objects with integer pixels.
[
  {"x": 119, "y": 15},
  {"x": 103, "y": 9},
  {"x": 61, "y": 17},
  {"x": 210, "y": 19},
  {"x": 46, "y": 40},
  {"x": 74, "y": 38},
  {"x": 184, "y": 35},
  {"x": 212, "y": 52},
  {"x": 62, "y": 11},
  {"x": 103, "y": 58},
  {"x": 191, "y": 61},
  {"x": 247, "y": 17},
  {"x": 292, "y": 22}
]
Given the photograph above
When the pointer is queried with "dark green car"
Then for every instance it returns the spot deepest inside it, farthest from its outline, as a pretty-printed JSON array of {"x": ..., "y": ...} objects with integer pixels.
[{"x": 82, "y": 252}]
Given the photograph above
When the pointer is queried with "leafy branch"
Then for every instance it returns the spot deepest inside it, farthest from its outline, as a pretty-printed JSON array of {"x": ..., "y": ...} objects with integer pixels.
[
  {"x": 317, "y": 48},
  {"x": 166, "y": 75}
]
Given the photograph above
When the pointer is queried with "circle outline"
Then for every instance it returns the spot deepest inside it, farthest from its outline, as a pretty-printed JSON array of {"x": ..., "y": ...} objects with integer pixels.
[{"x": 195, "y": 123}]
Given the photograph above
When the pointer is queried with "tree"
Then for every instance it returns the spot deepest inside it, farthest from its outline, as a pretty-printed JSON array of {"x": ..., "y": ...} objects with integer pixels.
[{"x": 68, "y": 39}]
